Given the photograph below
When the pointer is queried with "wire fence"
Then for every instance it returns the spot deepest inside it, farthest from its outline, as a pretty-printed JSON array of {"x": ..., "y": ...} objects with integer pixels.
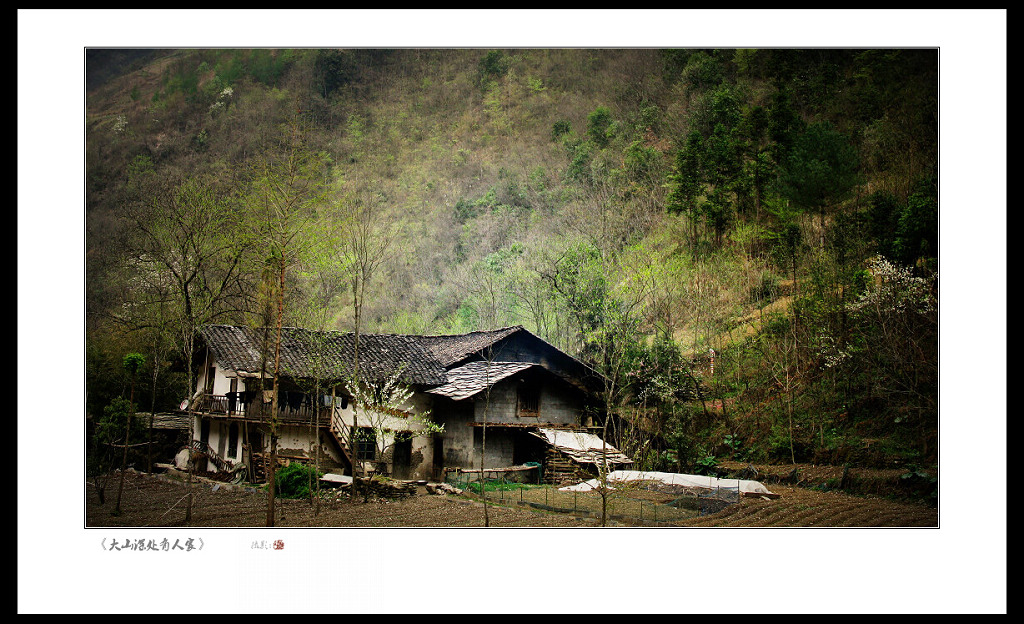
[{"x": 635, "y": 503}]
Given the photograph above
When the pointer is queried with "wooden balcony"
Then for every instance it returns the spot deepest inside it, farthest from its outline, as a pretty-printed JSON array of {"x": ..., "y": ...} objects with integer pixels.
[
  {"x": 251, "y": 407},
  {"x": 219, "y": 404}
]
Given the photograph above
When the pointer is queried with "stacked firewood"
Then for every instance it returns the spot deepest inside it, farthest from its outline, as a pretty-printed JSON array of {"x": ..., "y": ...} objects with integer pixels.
[{"x": 559, "y": 469}]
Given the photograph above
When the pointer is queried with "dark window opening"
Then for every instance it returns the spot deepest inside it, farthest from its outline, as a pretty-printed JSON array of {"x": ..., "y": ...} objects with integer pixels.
[
  {"x": 232, "y": 441},
  {"x": 529, "y": 401},
  {"x": 366, "y": 444}
]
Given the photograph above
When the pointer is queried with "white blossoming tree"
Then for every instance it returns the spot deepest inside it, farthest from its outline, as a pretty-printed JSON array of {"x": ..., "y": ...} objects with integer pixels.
[
  {"x": 894, "y": 346},
  {"x": 895, "y": 290},
  {"x": 387, "y": 416}
]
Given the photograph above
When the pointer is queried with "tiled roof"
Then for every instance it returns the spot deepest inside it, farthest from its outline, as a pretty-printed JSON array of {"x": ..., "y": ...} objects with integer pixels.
[
  {"x": 167, "y": 420},
  {"x": 328, "y": 354},
  {"x": 325, "y": 354},
  {"x": 451, "y": 349},
  {"x": 469, "y": 379}
]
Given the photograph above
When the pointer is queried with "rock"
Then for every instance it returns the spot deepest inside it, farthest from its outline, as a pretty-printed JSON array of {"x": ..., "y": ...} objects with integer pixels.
[
  {"x": 181, "y": 459},
  {"x": 441, "y": 489}
]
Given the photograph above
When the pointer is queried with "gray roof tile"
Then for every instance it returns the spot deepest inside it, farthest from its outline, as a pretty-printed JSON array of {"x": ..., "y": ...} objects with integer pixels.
[
  {"x": 470, "y": 379},
  {"x": 451, "y": 349},
  {"x": 325, "y": 354}
]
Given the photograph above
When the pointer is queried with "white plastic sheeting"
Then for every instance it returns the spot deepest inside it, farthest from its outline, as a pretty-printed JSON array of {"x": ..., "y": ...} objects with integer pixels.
[
  {"x": 694, "y": 482},
  {"x": 582, "y": 446}
]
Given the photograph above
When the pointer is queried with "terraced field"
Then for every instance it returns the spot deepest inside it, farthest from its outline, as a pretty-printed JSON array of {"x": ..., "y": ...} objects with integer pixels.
[{"x": 801, "y": 507}]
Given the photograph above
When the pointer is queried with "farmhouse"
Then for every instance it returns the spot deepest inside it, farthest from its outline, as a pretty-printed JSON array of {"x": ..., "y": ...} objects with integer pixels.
[{"x": 508, "y": 380}]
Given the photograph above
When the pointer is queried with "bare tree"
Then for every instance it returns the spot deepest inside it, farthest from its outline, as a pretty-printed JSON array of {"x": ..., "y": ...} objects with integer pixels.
[
  {"x": 489, "y": 359},
  {"x": 185, "y": 240},
  {"x": 288, "y": 187},
  {"x": 323, "y": 280},
  {"x": 366, "y": 237},
  {"x": 132, "y": 364}
]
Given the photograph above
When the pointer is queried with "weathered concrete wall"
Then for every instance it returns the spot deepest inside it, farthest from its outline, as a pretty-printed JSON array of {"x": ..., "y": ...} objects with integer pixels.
[
  {"x": 558, "y": 403},
  {"x": 220, "y": 433},
  {"x": 292, "y": 440},
  {"x": 301, "y": 440},
  {"x": 457, "y": 440},
  {"x": 422, "y": 454},
  {"x": 421, "y": 459},
  {"x": 221, "y": 379},
  {"x": 500, "y": 447}
]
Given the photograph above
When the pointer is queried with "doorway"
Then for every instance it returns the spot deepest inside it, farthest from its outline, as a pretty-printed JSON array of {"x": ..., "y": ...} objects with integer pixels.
[
  {"x": 438, "y": 465},
  {"x": 401, "y": 459}
]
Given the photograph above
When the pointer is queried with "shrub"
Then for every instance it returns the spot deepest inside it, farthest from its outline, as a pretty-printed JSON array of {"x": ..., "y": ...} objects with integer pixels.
[
  {"x": 559, "y": 128},
  {"x": 493, "y": 64},
  {"x": 599, "y": 125},
  {"x": 110, "y": 428},
  {"x": 706, "y": 465},
  {"x": 293, "y": 480}
]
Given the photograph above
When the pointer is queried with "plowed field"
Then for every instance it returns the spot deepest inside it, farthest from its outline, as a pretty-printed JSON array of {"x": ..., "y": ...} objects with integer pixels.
[
  {"x": 800, "y": 507},
  {"x": 150, "y": 501}
]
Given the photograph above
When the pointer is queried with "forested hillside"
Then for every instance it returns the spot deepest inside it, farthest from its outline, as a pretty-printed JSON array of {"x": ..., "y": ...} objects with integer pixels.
[{"x": 744, "y": 242}]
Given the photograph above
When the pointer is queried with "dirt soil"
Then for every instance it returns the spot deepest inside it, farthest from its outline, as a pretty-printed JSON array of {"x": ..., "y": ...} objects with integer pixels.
[
  {"x": 802, "y": 507},
  {"x": 153, "y": 500}
]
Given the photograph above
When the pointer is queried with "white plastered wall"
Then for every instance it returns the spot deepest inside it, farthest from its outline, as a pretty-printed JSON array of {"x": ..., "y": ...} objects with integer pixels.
[{"x": 220, "y": 431}]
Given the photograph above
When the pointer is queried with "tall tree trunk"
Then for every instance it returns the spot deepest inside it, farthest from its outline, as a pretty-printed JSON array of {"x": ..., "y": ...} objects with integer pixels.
[
  {"x": 124, "y": 456},
  {"x": 152, "y": 416},
  {"x": 357, "y": 308},
  {"x": 189, "y": 343},
  {"x": 483, "y": 440},
  {"x": 792, "y": 452},
  {"x": 273, "y": 406}
]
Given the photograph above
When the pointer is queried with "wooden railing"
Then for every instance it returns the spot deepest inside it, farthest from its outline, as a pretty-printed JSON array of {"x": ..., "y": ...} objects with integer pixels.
[
  {"x": 304, "y": 414},
  {"x": 219, "y": 404},
  {"x": 255, "y": 409},
  {"x": 338, "y": 431},
  {"x": 296, "y": 412},
  {"x": 202, "y": 447}
]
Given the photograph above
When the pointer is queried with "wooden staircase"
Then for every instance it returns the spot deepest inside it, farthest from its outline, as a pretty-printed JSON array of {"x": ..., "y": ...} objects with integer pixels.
[
  {"x": 335, "y": 432},
  {"x": 205, "y": 449},
  {"x": 238, "y": 469}
]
